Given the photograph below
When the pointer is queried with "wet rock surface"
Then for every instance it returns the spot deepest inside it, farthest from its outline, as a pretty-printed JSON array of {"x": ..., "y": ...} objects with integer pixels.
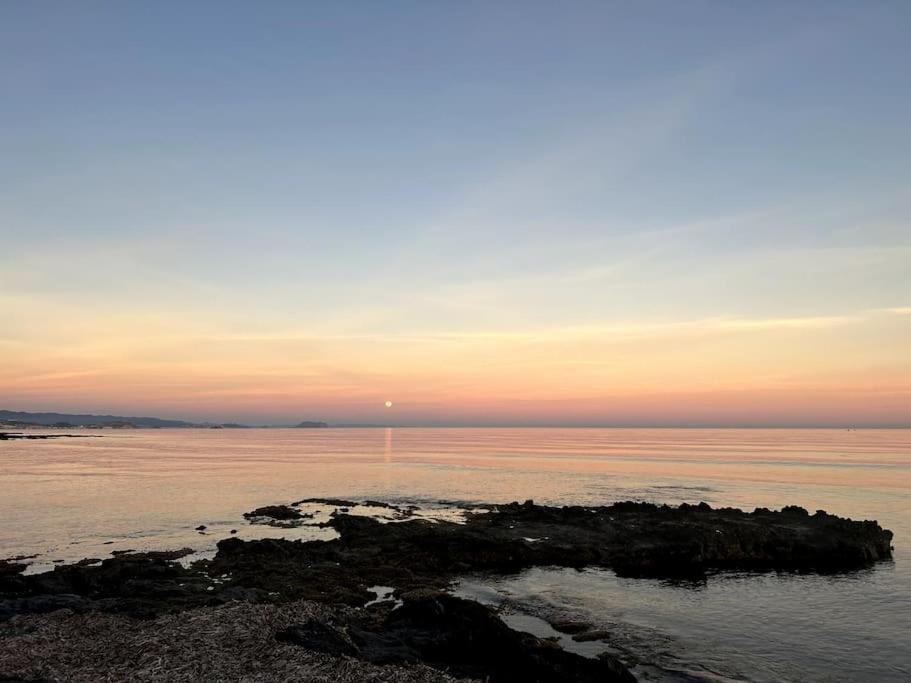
[
  {"x": 570, "y": 626},
  {"x": 279, "y": 512},
  {"x": 459, "y": 636},
  {"x": 142, "y": 584},
  {"x": 633, "y": 539},
  {"x": 642, "y": 539}
]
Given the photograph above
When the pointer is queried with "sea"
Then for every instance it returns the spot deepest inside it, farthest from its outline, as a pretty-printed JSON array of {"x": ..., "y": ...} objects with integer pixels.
[{"x": 65, "y": 499}]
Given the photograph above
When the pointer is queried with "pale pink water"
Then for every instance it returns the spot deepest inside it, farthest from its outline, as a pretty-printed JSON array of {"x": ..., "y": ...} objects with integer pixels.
[{"x": 65, "y": 498}]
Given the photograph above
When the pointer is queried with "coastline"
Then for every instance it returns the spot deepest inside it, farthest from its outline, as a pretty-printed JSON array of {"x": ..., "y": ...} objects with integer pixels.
[{"x": 418, "y": 559}]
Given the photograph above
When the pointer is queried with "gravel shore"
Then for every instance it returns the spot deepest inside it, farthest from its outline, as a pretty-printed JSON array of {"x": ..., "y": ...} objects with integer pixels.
[{"x": 234, "y": 642}]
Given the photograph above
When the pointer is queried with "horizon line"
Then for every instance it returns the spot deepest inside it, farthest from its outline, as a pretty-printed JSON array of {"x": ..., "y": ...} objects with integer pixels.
[{"x": 208, "y": 423}]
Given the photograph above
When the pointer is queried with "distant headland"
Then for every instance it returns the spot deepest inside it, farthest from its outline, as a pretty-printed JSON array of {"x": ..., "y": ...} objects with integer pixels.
[{"x": 21, "y": 419}]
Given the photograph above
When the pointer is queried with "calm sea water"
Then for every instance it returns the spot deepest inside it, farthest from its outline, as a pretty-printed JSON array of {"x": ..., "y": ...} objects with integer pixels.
[{"x": 66, "y": 499}]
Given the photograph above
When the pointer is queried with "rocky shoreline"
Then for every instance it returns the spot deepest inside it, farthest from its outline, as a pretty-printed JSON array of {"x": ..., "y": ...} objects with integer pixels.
[{"x": 419, "y": 623}]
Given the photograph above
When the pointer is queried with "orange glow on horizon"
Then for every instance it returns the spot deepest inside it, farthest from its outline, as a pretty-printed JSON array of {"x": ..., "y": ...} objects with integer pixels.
[{"x": 851, "y": 370}]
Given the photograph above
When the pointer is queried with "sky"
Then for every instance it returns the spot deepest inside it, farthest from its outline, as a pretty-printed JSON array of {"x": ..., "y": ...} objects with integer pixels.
[{"x": 493, "y": 213}]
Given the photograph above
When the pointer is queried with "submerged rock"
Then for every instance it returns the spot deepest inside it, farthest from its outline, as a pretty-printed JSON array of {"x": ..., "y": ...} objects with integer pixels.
[
  {"x": 570, "y": 626},
  {"x": 590, "y": 636}
]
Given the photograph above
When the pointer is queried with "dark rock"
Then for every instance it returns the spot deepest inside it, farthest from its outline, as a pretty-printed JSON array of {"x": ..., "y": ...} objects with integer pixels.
[
  {"x": 589, "y": 636},
  {"x": 421, "y": 557},
  {"x": 10, "y": 568},
  {"x": 796, "y": 510},
  {"x": 569, "y": 626},
  {"x": 633, "y": 539},
  {"x": 336, "y": 502},
  {"x": 315, "y": 635},
  {"x": 142, "y": 584},
  {"x": 201, "y": 527},
  {"x": 169, "y": 554},
  {"x": 240, "y": 594},
  {"x": 43, "y": 603},
  {"x": 459, "y": 636},
  {"x": 285, "y": 524},
  {"x": 290, "y": 570},
  {"x": 281, "y": 512}
]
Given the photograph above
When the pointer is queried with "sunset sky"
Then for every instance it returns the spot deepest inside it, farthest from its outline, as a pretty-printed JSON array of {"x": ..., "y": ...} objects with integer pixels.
[{"x": 488, "y": 213}]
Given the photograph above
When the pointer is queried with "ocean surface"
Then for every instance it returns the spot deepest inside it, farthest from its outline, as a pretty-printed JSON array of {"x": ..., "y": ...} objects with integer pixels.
[{"x": 66, "y": 499}]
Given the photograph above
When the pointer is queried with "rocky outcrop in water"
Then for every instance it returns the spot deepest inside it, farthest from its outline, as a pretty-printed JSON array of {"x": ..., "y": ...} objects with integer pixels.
[
  {"x": 633, "y": 539},
  {"x": 279, "y": 512}
]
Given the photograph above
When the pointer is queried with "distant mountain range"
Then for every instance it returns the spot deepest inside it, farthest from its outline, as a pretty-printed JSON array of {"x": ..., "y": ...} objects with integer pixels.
[
  {"x": 66, "y": 419},
  {"x": 15, "y": 418}
]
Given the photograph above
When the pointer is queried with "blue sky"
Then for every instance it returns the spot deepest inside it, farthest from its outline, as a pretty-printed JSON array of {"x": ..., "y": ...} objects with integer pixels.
[{"x": 410, "y": 171}]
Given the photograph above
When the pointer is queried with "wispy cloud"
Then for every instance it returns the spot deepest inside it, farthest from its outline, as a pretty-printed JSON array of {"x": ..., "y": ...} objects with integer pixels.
[{"x": 617, "y": 330}]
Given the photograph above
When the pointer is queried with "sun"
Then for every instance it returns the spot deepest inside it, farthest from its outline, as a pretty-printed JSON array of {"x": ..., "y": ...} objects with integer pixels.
[{"x": 388, "y": 404}]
